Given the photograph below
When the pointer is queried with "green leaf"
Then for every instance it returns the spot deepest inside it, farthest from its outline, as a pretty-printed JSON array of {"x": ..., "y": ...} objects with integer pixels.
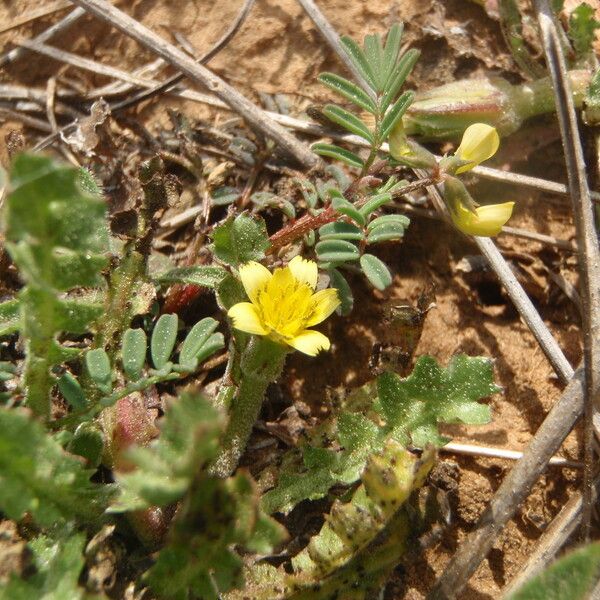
[
  {"x": 133, "y": 352},
  {"x": 240, "y": 239},
  {"x": 348, "y": 90},
  {"x": 374, "y": 54},
  {"x": 57, "y": 235},
  {"x": 9, "y": 317},
  {"x": 391, "y": 51},
  {"x": 72, "y": 391},
  {"x": 195, "y": 340},
  {"x": 341, "y": 205},
  {"x": 400, "y": 220},
  {"x": 376, "y": 271},
  {"x": 163, "y": 339},
  {"x": 375, "y": 202},
  {"x": 38, "y": 477},
  {"x": 209, "y": 277},
  {"x": 348, "y": 121},
  {"x": 582, "y": 28},
  {"x": 224, "y": 195},
  {"x": 573, "y": 576},
  {"x": 338, "y": 281},
  {"x": 338, "y": 153},
  {"x": 385, "y": 232},
  {"x": 414, "y": 406},
  {"x": 340, "y": 230},
  {"x": 99, "y": 369},
  {"x": 57, "y": 566},
  {"x": 411, "y": 409},
  {"x": 358, "y": 58},
  {"x": 398, "y": 77},
  {"x": 336, "y": 251},
  {"x": 395, "y": 113},
  {"x": 49, "y": 218},
  {"x": 88, "y": 442}
]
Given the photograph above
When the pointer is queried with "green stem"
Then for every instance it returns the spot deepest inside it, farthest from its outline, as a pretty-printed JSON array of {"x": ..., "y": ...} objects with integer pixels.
[{"x": 261, "y": 363}]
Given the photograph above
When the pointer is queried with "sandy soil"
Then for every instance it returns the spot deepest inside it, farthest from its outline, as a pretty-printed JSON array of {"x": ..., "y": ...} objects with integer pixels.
[{"x": 279, "y": 51}]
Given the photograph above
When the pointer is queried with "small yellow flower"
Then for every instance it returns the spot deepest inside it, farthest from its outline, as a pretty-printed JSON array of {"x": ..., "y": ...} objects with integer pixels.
[
  {"x": 486, "y": 221},
  {"x": 283, "y": 304},
  {"x": 479, "y": 142}
]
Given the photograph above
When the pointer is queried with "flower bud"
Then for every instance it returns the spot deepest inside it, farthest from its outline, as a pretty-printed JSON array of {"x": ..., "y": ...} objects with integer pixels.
[{"x": 446, "y": 111}]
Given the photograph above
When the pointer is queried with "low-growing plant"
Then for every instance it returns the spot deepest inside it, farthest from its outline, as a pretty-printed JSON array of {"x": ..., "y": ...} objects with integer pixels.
[{"x": 81, "y": 439}]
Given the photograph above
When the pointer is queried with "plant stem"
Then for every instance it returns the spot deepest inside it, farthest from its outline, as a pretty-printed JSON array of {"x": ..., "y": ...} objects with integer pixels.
[
  {"x": 261, "y": 363},
  {"x": 308, "y": 222}
]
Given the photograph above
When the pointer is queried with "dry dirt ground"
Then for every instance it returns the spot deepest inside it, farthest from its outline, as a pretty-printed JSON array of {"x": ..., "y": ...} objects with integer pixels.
[{"x": 279, "y": 51}]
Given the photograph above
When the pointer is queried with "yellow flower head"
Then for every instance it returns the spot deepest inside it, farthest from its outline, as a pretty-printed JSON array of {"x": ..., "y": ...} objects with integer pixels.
[
  {"x": 283, "y": 304},
  {"x": 486, "y": 221},
  {"x": 479, "y": 142}
]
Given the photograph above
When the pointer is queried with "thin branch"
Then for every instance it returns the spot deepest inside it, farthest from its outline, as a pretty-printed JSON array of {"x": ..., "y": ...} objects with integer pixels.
[
  {"x": 587, "y": 239},
  {"x": 490, "y": 452},
  {"x": 175, "y": 79},
  {"x": 240, "y": 104},
  {"x": 332, "y": 38},
  {"x": 46, "y": 35},
  {"x": 85, "y": 63},
  {"x": 33, "y": 15}
]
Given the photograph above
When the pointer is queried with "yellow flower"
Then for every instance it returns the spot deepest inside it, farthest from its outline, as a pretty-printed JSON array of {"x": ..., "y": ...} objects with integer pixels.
[
  {"x": 479, "y": 142},
  {"x": 283, "y": 304},
  {"x": 485, "y": 221}
]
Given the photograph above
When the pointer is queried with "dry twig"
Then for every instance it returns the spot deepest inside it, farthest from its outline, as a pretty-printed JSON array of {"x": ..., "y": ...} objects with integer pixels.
[{"x": 253, "y": 115}]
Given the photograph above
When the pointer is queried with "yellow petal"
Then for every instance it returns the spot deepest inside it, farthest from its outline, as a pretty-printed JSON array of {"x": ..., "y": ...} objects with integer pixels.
[
  {"x": 486, "y": 221},
  {"x": 254, "y": 278},
  {"x": 303, "y": 270},
  {"x": 325, "y": 302},
  {"x": 310, "y": 342},
  {"x": 479, "y": 142},
  {"x": 246, "y": 318}
]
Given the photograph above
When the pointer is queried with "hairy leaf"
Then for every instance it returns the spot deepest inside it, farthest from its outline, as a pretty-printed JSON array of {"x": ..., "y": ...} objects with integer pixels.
[
  {"x": 375, "y": 271},
  {"x": 240, "y": 239},
  {"x": 38, "y": 477},
  {"x": 209, "y": 277},
  {"x": 573, "y": 576},
  {"x": 58, "y": 564},
  {"x": 412, "y": 408},
  {"x": 348, "y": 121},
  {"x": 582, "y": 28}
]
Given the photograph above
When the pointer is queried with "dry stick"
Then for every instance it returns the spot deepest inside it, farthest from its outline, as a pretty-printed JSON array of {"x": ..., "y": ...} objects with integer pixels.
[
  {"x": 551, "y": 541},
  {"x": 332, "y": 38},
  {"x": 175, "y": 79},
  {"x": 587, "y": 240},
  {"x": 86, "y": 63},
  {"x": 251, "y": 113},
  {"x": 491, "y": 452},
  {"x": 35, "y": 14},
  {"x": 46, "y": 35}
]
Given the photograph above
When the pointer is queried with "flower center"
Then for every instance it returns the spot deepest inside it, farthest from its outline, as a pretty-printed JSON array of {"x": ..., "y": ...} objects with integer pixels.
[{"x": 285, "y": 304}]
